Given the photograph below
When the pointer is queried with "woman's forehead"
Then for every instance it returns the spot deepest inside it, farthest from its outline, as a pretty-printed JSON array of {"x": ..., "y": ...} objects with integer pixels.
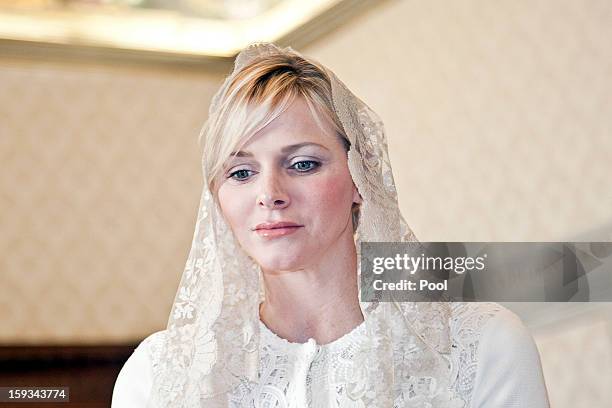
[
  {"x": 295, "y": 128},
  {"x": 284, "y": 149}
]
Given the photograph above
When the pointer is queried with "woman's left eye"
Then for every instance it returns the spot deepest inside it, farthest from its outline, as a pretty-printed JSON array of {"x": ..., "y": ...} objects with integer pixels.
[{"x": 305, "y": 165}]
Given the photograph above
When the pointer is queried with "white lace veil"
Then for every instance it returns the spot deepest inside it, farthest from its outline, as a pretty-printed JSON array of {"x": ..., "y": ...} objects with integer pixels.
[{"x": 212, "y": 338}]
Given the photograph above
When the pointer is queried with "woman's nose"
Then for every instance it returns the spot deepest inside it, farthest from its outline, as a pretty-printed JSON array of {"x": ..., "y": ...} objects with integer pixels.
[{"x": 272, "y": 194}]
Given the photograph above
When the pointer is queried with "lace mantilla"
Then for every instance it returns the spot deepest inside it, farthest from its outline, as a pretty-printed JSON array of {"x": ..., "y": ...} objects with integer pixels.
[{"x": 212, "y": 341}]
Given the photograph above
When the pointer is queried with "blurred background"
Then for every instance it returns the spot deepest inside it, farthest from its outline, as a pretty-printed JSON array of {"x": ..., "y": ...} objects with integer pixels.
[{"x": 498, "y": 115}]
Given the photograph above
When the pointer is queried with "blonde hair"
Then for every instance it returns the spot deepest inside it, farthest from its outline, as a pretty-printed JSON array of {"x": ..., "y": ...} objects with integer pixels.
[{"x": 259, "y": 93}]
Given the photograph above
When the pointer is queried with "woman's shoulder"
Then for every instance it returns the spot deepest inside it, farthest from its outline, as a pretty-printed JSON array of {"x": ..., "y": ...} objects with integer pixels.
[
  {"x": 471, "y": 318},
  {"x": 498, "y": 363},
  {"x": 153, "y": 342},
  {"x": 498, "y": 332},
  {"x": 134, "y": 382},
  {"x": 488, "y": 327}
]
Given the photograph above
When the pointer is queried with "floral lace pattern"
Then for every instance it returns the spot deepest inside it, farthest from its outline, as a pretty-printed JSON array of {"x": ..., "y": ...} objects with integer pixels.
[
  {"x": 468, "y": 322},
  {"x": 338, "y": 374}
]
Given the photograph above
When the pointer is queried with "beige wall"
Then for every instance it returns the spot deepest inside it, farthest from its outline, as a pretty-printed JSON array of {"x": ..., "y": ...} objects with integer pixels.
[
  {"x": 499, "y": 118},
  {"x": 575, "y": 344},
  {"x": 100, "y": 184}
]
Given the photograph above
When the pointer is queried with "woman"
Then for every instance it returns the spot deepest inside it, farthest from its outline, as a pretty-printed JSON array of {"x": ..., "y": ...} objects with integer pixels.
[{"x": 268, "y": 312}]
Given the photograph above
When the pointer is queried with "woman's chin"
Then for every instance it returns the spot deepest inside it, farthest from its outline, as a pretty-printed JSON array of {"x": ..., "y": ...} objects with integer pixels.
[
  {"x": 280, "y": 255},
  {"x": 280, "y": 263}
]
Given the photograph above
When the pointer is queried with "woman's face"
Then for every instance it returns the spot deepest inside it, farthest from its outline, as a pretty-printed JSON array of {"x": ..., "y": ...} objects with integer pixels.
[{"x": 288, "y": 193}]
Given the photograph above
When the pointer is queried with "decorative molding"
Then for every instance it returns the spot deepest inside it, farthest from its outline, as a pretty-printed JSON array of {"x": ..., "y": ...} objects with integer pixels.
[{"x": 165, "y": 36}]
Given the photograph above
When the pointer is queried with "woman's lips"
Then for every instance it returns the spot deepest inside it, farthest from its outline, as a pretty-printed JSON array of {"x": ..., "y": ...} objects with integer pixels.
[
  {"x": 276, "y": 229},
  {"x": 276, "y": 232}
]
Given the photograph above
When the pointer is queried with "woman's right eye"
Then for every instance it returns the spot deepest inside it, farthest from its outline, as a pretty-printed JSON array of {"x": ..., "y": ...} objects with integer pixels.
[{"x": 240, "y": 175}]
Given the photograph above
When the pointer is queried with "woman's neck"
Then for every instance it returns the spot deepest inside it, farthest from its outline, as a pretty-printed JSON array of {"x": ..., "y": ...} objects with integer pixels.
[{"x": 320, "y": 301}]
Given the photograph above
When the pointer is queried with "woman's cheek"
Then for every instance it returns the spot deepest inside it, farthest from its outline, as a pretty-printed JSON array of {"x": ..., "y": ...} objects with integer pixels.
[
  {"x": 330, "y": 194},
  {"x": 232, "y": 206}
]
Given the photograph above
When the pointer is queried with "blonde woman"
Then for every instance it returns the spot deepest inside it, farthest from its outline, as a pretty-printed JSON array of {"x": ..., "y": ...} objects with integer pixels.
[{"x": 268, "y": 312}]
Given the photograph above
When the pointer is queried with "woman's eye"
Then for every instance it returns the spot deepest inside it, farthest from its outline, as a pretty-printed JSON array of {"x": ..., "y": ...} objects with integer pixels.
[
  {"x": 305, "y": 165},
  {"x": 240, "y": 175}
]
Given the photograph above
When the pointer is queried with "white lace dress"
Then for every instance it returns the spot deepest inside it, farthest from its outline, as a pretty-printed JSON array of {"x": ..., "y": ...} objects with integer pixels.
[{"x": 493, "y": 359}]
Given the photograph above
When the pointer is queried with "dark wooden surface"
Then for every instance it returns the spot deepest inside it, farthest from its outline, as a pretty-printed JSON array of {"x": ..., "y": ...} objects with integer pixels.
[{"x": 89, "y": 371}]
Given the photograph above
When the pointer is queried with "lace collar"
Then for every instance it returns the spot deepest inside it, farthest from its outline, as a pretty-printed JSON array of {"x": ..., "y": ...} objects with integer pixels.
[{"x": 341, "y": 343}]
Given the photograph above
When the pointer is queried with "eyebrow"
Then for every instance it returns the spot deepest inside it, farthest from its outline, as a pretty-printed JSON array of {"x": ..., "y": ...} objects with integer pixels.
[{"x": 285, "y": 150}]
